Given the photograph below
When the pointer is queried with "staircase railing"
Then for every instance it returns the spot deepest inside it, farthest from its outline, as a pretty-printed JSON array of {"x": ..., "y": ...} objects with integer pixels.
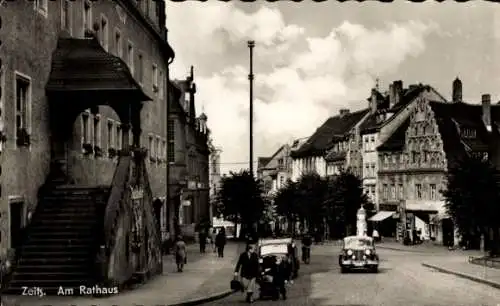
[{"x": 115, "y": 205}]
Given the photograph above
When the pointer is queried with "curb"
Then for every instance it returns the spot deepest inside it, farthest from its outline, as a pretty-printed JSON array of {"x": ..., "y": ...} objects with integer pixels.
[
  {"x": 207, "y": 299},
  {"x": 463, "y": 275}
]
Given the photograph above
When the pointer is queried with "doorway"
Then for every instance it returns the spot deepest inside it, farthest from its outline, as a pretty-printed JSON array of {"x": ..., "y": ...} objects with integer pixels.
[
  {"x": 16, "y": 223},
  {"x": 448, "y": 232}
]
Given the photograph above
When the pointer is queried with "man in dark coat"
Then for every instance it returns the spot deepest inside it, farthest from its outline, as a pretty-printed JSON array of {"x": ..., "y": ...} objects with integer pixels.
[
  {"x": 248, "y": 268},
  {"x": 281, "y": 275},
  {"x": 220, "y": 242}
]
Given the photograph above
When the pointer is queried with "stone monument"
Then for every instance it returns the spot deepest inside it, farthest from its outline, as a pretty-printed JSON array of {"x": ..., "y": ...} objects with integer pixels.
[{"x": 361, "y": 227}]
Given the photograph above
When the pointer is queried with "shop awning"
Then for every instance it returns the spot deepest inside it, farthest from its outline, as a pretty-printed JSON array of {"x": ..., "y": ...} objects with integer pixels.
[{"x": 381, "y": 216}]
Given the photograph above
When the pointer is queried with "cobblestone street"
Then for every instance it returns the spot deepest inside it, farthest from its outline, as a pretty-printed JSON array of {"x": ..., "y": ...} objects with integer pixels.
[{"x": 402, "y": 280}]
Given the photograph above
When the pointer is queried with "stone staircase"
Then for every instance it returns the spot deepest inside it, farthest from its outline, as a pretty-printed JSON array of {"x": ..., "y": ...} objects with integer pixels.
[{"x": 61, "y": 242}]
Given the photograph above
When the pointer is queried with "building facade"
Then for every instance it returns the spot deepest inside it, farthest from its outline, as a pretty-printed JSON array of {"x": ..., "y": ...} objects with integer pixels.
[
  {"x": 415, "y": 160},
  {"x": 333, "y": 140},
  {"x": 188, "y": 157},
  {"x": 388, "y": 111},
  {"x": 215, "y": 176},
  {"x": 38, "y": 37},
  {"x": 278, "y": 169}
]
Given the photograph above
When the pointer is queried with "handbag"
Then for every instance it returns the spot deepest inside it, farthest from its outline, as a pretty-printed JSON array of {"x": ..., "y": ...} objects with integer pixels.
[{"x": 236, "y": 284}]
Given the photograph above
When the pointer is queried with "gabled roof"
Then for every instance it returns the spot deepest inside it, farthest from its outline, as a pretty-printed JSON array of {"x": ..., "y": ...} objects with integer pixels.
[
  {"x": 396, "y": 141},
  {"x": 450, "y": 118},
  {"x": 371, "y": 124},
  {"x": 334, "y": 127}
]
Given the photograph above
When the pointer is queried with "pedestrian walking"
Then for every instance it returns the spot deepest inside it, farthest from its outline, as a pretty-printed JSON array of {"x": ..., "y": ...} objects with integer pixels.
[
  {"x": 220, "y": 242},
  {"x": 213, "y": 235},
  {"x": 248, "y": 269},
  {"x": 180, "y": 254},
  {"x": 375, "y": 235},
  {"x": 202, "y": 236}
]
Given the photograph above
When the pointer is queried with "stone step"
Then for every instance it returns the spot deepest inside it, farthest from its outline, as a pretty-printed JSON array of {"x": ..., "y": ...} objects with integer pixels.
[
  {"x": 55, "y": 254},
  {"x": 54, "y": 248},
  {"x": 76, "y": 220},
  {"x": 59, "y": 261},
  {"x": 60, "y": 241},
  {"x": 48, "y": 275},
  {"x": 62, "y": 227},
  {"x": 74, "y": 234},
  {"x": 48, "y": 268}
]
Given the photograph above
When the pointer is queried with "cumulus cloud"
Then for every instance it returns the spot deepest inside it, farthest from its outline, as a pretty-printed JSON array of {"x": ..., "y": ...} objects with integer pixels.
[{"x": 300, "y": 79}]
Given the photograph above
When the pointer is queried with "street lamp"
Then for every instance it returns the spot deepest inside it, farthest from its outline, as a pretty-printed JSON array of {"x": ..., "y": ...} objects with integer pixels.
[{"x": 251, "y": 45}]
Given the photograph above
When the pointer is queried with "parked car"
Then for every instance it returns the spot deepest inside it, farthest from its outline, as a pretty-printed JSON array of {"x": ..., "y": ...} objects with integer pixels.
[
  {"x": 281, "y": 246},
  {"x": 358, "y": 252}
]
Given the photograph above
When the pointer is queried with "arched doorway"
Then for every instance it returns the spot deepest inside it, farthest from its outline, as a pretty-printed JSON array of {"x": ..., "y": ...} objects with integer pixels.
[{"x": 83, "y": 77}]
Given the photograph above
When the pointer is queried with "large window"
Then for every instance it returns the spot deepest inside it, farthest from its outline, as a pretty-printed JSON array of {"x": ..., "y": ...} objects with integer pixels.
[
  {"x": 85, "y": 128},
  {"x": 418, "y": 191},
  {"x": 42, "y": 7},
  {"x": 87, "y": 16},
  {"x": 23, "y": 106},
  {"x": 140, "y": 68},
  {"x": 130, "y": 57},
  {"x": 118, "y": 139},
  {"x": 97, "y": 131},
  {"x": 110, "y": 135},
  {"x": 66, "y": 15},
  {"x": 118, "y": 43},
  {"x": 433, "y": 194},
  {"x": 401, "y": 191}
]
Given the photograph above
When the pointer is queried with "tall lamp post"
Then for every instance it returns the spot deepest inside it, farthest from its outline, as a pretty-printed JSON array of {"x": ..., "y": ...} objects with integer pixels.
[{"x": 251, "y": 45}]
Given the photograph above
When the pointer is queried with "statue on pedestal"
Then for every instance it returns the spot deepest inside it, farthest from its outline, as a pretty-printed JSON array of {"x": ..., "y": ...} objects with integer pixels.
[{"x": 361, "y": 226}]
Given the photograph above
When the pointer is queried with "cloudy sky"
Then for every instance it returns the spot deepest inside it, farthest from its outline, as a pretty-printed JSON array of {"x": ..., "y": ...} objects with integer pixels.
[{"x": 311, "y": 59}]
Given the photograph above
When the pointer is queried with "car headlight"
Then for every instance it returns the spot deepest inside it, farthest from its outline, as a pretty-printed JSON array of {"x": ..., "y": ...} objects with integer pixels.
[
  {"x": 368, "y": 252},
  {"x": 261, "y": 261},
  {"x": 349, "y": 252}
]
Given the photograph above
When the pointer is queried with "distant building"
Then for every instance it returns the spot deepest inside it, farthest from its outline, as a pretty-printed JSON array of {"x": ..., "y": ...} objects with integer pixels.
[
  {"x": 188, "y": 157},
  {"x": 333, "y": 139},
  {"x": 215, "y": 176},
  {"x": 277, "y": 170}
]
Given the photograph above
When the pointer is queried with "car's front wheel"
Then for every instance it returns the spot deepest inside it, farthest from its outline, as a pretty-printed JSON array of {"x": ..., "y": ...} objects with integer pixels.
[
  {"x": 374, "y": 269},
  {"x": 343, "y": 270}
]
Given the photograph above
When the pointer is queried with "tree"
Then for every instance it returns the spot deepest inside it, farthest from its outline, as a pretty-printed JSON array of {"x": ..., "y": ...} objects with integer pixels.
[
  {"x": 286, "y": 203},
  {"x": 312, "y": 189},
  {"x": 345, "y": 197},
  {"x": 472, "y": 196},
  {"x": 240, "y": 199}
]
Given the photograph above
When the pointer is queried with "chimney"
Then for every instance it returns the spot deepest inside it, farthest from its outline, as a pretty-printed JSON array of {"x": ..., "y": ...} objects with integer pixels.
[
  {"x": 395, "y": 93},
  {"x": 457, "y": 90},
  {"x": 486, "y": 106},
  {"x": 343, "y": 112},
  {"x": 373, "y": 101}
]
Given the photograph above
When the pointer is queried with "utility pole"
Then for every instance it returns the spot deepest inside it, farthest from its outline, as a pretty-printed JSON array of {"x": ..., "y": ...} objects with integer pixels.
[{"x": 251, "y": 45}]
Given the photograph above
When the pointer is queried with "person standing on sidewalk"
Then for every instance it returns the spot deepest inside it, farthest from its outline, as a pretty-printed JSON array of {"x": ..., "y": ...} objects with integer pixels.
[
  {"x": 202, "y": 236},
  {"x": 180, "y": 254},
  {"x": 220, "y": 242},
  {"x": 248, "y": 268},
  {"x": 213, "y": 236}
]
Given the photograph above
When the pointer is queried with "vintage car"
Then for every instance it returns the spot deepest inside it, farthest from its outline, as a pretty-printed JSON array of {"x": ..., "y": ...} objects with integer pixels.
[
  {"x": 283, "y": 246},
  {"x": 358, "y": 252}
]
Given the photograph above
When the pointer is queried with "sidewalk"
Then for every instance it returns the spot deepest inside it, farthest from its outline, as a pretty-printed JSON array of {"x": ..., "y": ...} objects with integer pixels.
[
  {"x": 424, "y": 247},
  {"x": 460, "y": 266},
  {"x": 204, "y": 275}
]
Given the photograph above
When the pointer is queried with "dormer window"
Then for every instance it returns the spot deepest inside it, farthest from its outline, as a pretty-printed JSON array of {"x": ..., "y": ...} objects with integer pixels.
[{"x": 469, "y": 133}]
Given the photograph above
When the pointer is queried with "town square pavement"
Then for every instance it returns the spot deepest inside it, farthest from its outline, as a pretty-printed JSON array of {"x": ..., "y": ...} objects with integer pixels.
[{"x": 402, "y": 280}]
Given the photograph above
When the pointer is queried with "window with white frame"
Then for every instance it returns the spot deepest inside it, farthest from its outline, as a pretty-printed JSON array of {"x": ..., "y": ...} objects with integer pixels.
[
  {"x": 110, "y": 135},
  {"x": 385, "y": 191},
  {"x": 140, "y": 68},
  {"x": 118, "y": 43},
  {"x": 87, "y": 16},
  {"x": 373, "y": 172},
  {"x": 118, "y": 139},
  {"x": 66, "y": 16},
  {"x": 23, "y": 108},
  {"x": 86, "y": 128},
  {"x": 154, "y": 71},
  {"x": 400, "y": 192},
  {"x": 42, "y": 6},
  {"x": 130, "y": 57},
  {"x": 104, "y": 33}
]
